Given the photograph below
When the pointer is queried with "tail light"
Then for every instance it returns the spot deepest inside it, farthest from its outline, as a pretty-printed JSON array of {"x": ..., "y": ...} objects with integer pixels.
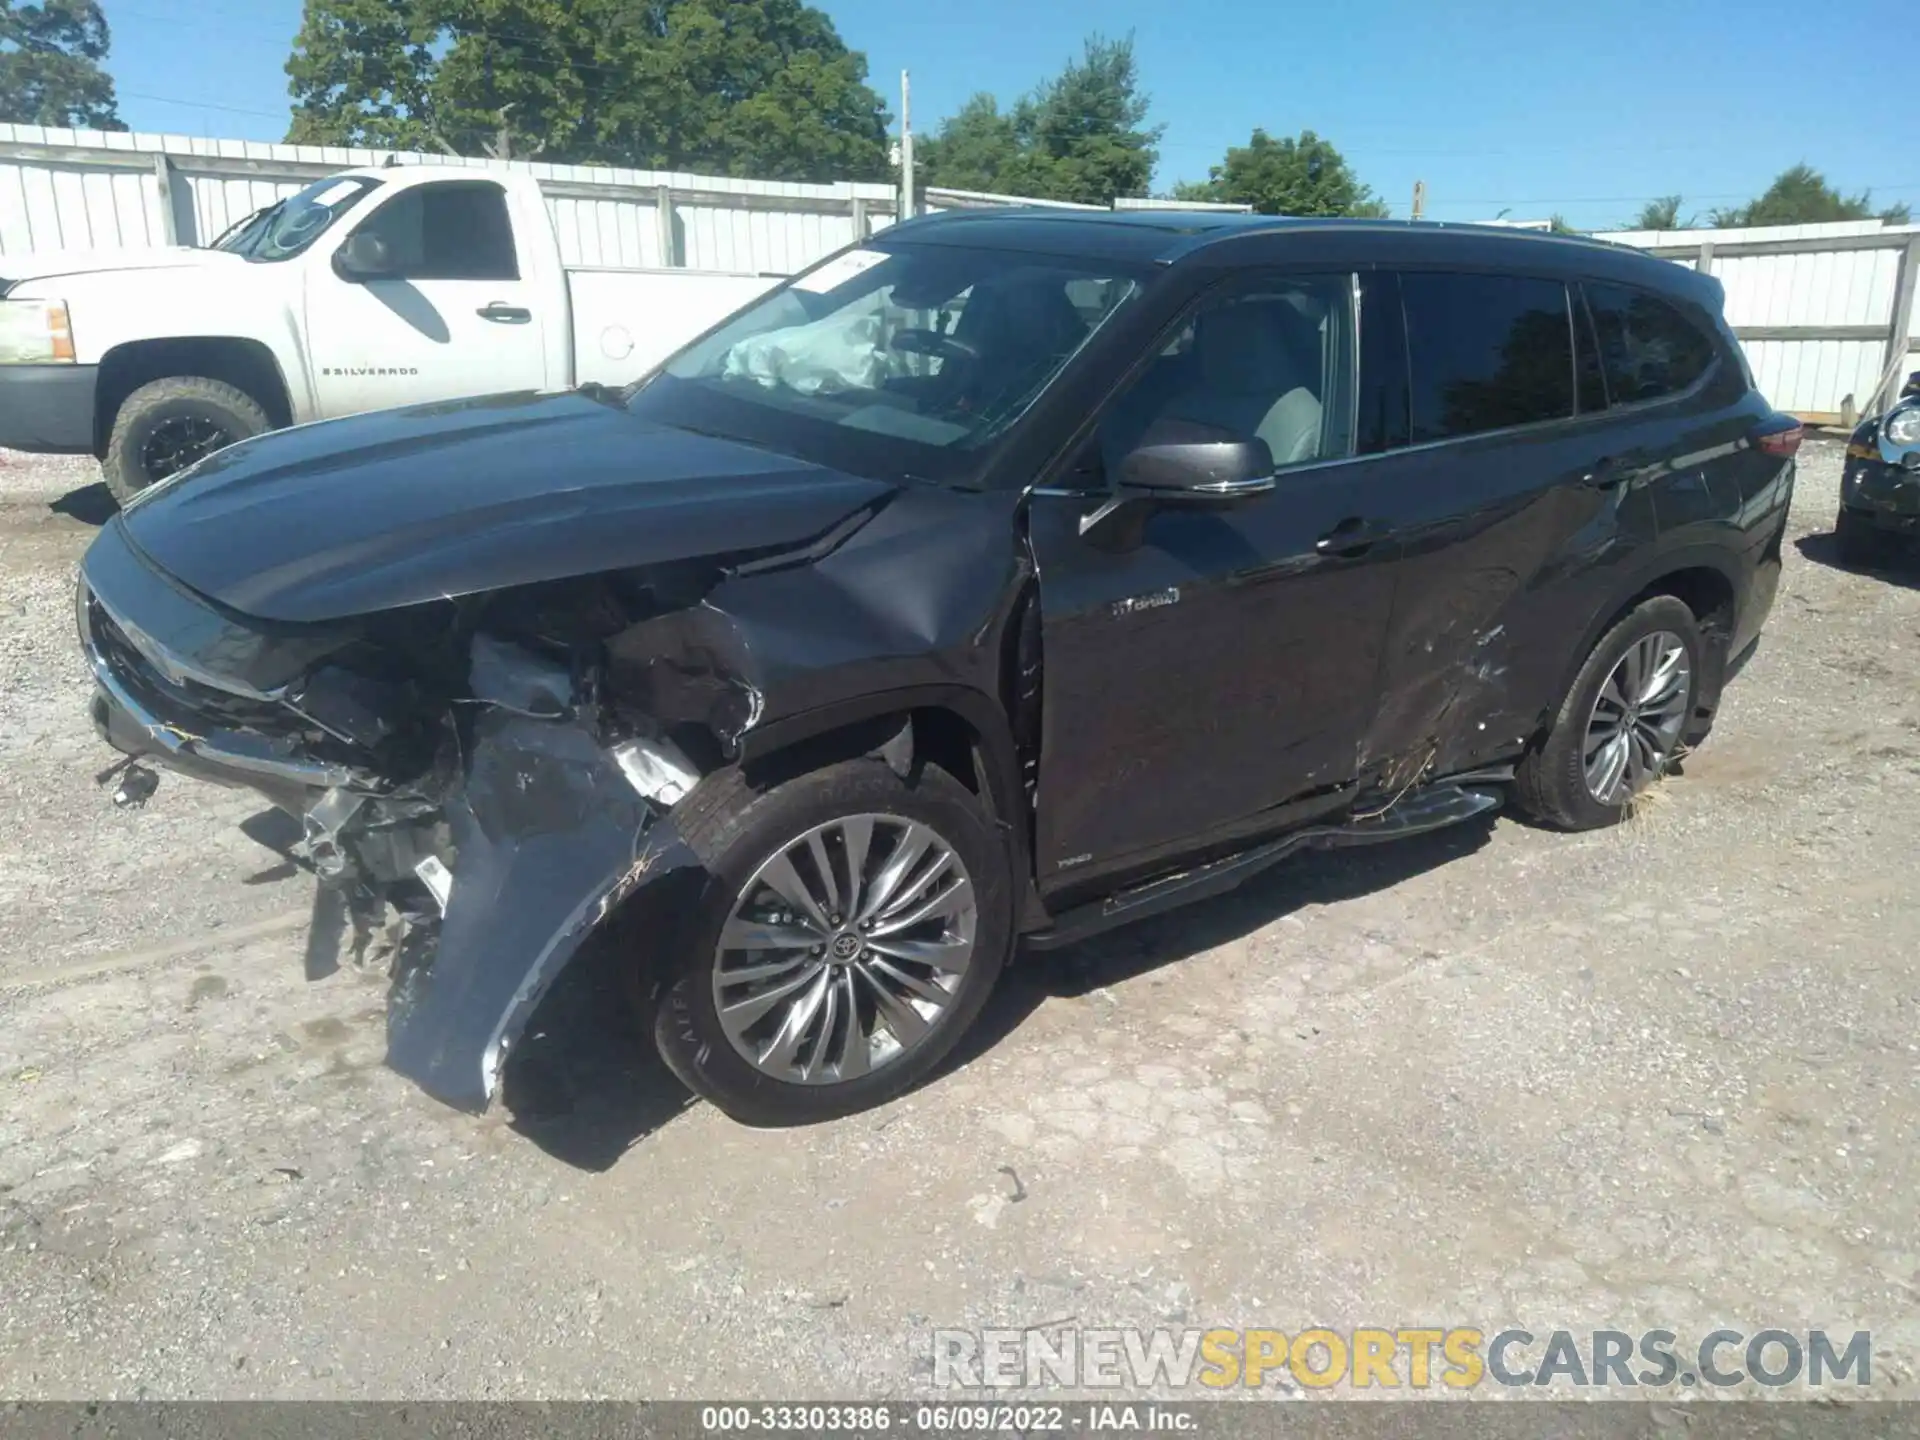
[{"x": 1783, "y": 443}]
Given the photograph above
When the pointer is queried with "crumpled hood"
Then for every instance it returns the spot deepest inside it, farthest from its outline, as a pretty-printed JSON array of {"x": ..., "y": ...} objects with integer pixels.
[
  {"x": 349, "y": 517},
  {"x": 48, "y": 264}
]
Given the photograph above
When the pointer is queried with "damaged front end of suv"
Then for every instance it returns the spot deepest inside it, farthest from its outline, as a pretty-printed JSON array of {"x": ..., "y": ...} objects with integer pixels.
[{"x": 484, "y": 710}]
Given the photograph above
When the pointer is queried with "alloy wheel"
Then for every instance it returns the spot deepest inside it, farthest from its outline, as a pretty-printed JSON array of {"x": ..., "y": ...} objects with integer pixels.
[
  {"x": 180, "y": 441},
  {"x": 845, "y": 949},
  {"x": 1637, "y": 717}
]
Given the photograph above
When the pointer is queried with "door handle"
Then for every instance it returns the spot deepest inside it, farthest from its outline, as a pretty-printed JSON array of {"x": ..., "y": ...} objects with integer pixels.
[
  {"x": 1607, "y": 473},
  {"x": 1352, "y": 536},
  {"x": 502, "y": 313}
]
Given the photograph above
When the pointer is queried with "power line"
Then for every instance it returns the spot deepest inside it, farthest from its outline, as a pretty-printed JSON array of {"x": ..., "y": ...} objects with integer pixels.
[{"x": 201, "y": 104}]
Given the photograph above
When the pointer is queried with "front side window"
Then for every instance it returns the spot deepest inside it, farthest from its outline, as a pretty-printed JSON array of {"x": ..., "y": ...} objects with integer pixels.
[
  {"x": 1486, "y": 352},
  {"x": 1647, "y": 348},
  {"x": 1271, "y": 360},
  {"x": 283, "y": 230},
  {"x": 920, "y": 350},
  {"x": 451, "y": 231}
]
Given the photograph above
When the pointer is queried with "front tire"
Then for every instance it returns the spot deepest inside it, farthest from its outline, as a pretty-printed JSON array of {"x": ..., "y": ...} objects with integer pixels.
[
  {"x": 1621, "y": 724},
  {"x": 169, "y": 424},
  {"x": 850, "y": 929}
]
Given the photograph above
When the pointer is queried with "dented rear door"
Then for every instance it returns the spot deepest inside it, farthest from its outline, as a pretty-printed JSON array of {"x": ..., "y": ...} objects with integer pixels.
[{"x": 1519, "y": 513}]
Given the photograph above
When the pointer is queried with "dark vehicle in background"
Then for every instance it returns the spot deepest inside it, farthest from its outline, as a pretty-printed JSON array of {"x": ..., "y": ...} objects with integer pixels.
[
  {"x": 1010, "y": 577},
  {"x": 1880, "y": 486}
]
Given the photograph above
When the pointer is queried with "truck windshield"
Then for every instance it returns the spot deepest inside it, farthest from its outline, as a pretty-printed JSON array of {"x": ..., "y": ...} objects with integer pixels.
[
  {"x": 283, "y": 230},
  {"x": 919, "y": 355}
]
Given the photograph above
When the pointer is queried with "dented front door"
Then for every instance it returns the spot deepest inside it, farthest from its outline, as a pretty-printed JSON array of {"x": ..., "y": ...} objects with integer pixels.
[{"x": 1224, "y": 667}]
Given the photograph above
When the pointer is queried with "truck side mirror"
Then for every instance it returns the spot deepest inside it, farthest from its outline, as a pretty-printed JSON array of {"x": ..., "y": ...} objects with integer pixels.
[
  {"x": 364, "y": 257},
  {"x": 1912, "y": 386}
]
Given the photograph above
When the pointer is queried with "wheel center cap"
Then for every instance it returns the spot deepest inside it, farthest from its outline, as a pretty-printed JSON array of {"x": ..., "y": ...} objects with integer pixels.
[{"x": 845, "y": 946}]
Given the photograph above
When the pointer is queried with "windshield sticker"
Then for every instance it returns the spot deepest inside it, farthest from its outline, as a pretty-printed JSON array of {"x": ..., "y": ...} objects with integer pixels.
[
  {"x": 337, "y": 192},
  {"x": 838, "y": 271}
]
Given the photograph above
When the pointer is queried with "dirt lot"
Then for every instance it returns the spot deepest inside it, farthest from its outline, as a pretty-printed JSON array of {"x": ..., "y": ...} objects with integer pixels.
[{"x": 1662, "y": 1076}]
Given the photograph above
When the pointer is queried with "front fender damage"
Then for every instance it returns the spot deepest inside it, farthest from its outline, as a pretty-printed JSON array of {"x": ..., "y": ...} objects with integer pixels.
[
  {"x": 550, "y": 836},
  {"x": 534, "y": 769},
  {"x": 486, "y": 898}
]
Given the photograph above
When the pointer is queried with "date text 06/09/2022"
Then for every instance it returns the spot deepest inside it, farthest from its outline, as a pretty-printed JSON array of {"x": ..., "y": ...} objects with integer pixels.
[{"x": 1086, "y": 1418}]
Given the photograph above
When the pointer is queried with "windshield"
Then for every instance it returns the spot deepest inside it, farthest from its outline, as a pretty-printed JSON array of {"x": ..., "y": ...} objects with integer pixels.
[
  {"x": 915, "y": 357},
  {"x": 282, "y": 231}
]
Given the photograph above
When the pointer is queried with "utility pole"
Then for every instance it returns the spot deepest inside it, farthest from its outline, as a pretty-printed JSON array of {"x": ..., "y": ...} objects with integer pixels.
[
  {"x": 1419, "y": 199},
  {"x": 907, "y": 205}
]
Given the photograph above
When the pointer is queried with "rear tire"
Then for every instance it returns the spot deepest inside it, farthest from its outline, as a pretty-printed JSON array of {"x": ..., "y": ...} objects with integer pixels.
[
  {"x": 1860, "y": 543},
  {"x": 739, "y": 832},
  {"x": 1553, "y": 783},
  {"x": 166, "y": 425}
]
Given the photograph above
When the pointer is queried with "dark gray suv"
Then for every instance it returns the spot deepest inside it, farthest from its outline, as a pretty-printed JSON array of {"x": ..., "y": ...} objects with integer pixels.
[{"x": 1011, "y": 575}]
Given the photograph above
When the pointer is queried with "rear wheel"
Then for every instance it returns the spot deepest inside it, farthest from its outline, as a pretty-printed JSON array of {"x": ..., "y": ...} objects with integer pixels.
[
  {"x": 851, "y": 928},
  {"x": 1859, "y": 541},
  {"x": 1620, "y": 726},
  {"x": 165, "y": 426}
]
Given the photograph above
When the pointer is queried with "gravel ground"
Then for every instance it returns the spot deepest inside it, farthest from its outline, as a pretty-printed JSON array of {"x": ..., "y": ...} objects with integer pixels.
[{"x": 1661, "y": 1076}]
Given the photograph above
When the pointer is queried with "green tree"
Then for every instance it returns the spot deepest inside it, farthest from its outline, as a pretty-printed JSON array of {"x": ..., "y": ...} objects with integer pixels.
[
  {"x": 50, "y": 71},
  {"x": 762, "y": 88},
  {"x": 1289, "y": 176},
  {"x": 745, "y": 87},
  {"x": 1661, "y": 214},
  {"x": 1080, "y": 136},
  {"x": 1802, "y": 196},
  {"x": 361, "y": 73}
]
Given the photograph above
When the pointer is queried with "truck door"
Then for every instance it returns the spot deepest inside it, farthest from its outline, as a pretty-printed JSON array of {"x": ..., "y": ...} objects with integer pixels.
[{"x": 452, "y": 313}]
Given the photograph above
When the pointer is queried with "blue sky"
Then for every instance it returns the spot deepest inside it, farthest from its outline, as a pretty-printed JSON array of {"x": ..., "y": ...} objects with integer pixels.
[{"x": 1584, "y": 109}]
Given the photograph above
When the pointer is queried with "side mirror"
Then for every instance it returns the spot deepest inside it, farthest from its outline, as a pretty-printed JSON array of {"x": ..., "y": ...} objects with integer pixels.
[
  {"x": 1912, "y": 387},
  {"x": 365, "y": 256},
  {"x": 1183, "y": 460}
]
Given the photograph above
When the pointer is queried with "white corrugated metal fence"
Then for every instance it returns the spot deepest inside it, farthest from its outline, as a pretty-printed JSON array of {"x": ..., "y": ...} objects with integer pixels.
[
  {"x": 99, "y": 190},
  {"x": 1824, "y": 312}
]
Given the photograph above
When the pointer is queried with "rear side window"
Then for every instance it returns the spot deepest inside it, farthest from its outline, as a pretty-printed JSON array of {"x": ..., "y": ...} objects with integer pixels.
[
  {"x": 455, "y": 231},
  {"x": 1647, "y": 347},
  {"x": 1486, "y": 352}
]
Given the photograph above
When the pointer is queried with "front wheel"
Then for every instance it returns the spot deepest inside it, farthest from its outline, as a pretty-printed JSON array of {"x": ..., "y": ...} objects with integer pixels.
[
  {"x": 165, "y": 426},
  {"x": 1620, "y": 726},
  {"x": 850, "y": 930}
]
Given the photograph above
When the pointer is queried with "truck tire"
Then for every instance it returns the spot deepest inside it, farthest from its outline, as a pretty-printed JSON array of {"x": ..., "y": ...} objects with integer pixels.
[
  {"x": 167, "y": 425},
  {"x": 876, "y": 1022}
]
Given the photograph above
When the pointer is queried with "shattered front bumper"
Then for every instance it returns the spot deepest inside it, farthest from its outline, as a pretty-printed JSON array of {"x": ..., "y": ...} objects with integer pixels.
[
  {"x": 1884, "y": 489},
  {"x": 489, "y": 887}
]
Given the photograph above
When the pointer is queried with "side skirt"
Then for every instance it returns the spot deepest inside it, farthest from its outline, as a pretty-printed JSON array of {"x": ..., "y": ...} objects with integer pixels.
[{"x": 1432, "y": 807}]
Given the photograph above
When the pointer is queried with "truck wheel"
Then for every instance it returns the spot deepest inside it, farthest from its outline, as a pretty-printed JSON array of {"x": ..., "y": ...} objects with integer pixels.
[
  {"x": 850, "y": 928},
  {"x": 1621, "y": 724},
  {"x": 167, "y": 425}
]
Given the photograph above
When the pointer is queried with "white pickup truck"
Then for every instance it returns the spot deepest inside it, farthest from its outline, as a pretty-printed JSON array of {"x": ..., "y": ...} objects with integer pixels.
[{"x": 368, "y": 289}]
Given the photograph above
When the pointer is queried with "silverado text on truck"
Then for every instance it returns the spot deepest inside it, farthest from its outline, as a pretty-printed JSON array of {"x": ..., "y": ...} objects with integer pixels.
[
  {"x": 1011, "y": 575},
  {"x": 368, "y": 289}
]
